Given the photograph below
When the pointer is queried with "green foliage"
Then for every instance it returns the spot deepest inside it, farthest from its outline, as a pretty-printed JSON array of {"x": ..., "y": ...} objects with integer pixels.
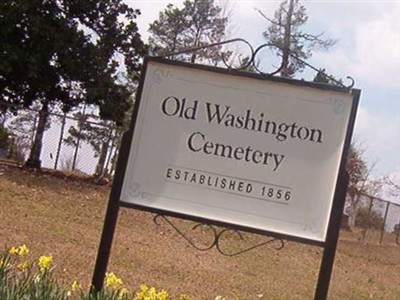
[
  {"x": 323, "y": 77},
  {"x": 372, "y": 219},
  {"x": 99, "y": 134},
  {"x": 285, "y": 32},
  {"x": 197, "y": 23},
  {"x": 66, "y": 52},
  {"x": 11, "y": 144},
  {"x": 23, "y": 279},
  {"x": 63, "y": 53},
  {"x": 4, "y": 138},
  {"x": 360, "y": 183},
  {"x": 396, "y": 229},
  {"x": 88, "y": 131}
]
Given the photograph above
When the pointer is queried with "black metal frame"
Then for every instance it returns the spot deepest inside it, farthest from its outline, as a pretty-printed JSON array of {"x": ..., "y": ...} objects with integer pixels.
[
  {"x": 252, "y": 61},
  {"x": 115, "y": 203},
  {"x": 216, "y": 237}
]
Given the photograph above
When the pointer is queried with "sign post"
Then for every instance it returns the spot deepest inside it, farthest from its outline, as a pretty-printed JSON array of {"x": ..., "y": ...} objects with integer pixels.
[{"x": 238, "y": 150}]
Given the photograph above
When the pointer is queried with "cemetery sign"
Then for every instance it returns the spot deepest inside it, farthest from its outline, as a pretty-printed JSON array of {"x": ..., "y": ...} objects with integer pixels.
[{"x": 256, "y": 153}]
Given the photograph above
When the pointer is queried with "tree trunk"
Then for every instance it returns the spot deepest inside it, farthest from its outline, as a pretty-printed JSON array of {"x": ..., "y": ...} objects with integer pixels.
[
  {"x": 102, "y": 159},
  {"x": 60, "y": 141},
  {"x": 352, "y": 213},
  {"x": 117, "y": 144},
  {"x": 36, "y": 150},
  {"x": 112, "y": 147},
  {"x": 100, "y": 168},
  {"x": 78, "y": 139},
  {"x": 352, "y": 210},
  {"x": 285, "y": 72}
]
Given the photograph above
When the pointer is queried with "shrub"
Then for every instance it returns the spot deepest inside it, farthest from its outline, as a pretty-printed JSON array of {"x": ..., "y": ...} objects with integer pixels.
[
  {"x": 4, "y": 138},
  {"x": 369, "y": 220}
]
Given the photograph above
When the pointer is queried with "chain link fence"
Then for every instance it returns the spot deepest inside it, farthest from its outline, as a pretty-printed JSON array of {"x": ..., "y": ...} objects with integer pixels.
[
  {"x": 375, "y": 220},
  {"x": 78, "y": 142},
  {"x": 82, "y": 143}
]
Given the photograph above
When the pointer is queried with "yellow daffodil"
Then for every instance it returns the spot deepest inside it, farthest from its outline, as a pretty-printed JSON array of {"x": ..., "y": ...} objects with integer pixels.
[
  {"x": 163, "y": 295},
  {"x": 144, "y": 288},
  {"x": 184, "y": 297},
  {"x": 45, "y": 262},
  {"x": 76, "y": 286},
  {"x": 13, "y": 250},
  {"x": 112, "y": 281},
  {"x": 23, "y": 250},
  {"x": 122, "y": 293},
  {"x": 23, "y": 266},
  {"x": 143, "y": 292},
  {"x": 147, "y": 293},
  {"x": 152, "y": 293}
]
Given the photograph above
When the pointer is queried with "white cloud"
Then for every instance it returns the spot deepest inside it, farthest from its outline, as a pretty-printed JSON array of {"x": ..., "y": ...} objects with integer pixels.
[
  {"x": 369, "y": 43},
  {"x": 378, "y": 50},
  {"x": 380, "y": 133}
]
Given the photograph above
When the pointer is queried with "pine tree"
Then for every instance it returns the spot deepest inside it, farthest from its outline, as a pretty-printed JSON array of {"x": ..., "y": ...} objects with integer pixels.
[
  {"x": 197, "y": 23},
  {"x": 285, "y": 32}
]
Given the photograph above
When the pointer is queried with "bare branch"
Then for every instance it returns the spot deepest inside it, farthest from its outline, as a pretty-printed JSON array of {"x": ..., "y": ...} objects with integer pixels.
[{"x": 268, "y": 19}]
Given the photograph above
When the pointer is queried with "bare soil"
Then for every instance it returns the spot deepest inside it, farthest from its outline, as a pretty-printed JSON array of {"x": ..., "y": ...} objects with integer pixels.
[{"x": 62, "y": 216}]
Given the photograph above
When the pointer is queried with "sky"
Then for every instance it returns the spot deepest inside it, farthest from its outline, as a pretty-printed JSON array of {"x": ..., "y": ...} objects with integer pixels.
[{"x": 368, "y": 50}]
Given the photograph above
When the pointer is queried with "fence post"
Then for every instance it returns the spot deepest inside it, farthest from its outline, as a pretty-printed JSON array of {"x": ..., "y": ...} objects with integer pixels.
[
  {"x": 398, "y": 235},
  {"x": 367, "y": 224},
  {"x": 384, "y": 222}
]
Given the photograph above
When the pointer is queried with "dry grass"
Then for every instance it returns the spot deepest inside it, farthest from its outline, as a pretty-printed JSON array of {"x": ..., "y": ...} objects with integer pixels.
[{"x": 63, "y": 217}]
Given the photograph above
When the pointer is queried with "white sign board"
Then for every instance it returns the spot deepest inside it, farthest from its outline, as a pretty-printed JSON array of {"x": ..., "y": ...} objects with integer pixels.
[{"x": 256, "y": 153}]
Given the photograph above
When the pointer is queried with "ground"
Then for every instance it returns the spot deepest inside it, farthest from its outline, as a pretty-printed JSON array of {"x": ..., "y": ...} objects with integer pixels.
[{"x": 62, "y": 216}]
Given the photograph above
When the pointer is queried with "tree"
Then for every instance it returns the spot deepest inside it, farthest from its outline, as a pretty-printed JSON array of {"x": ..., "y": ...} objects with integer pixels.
[
  {"x": 24, "y": 125},
  {"x": 198, "y": 23},
  {"x": 4, "y": 140},
  {"x": 75, "y": 136},
  {"x": 62, "y": 53},
  {"x": 369, "y": 218},
  {"x": 285, "y": 32},
  {"x": 10, "y": 145},
  {"x": 98, "y": 134},
  {"x": 323, "y": 77},
  {"x": 394, "y": 188},
  {"x": 396, "y": 229},
  {"x": 360, "y": 182}
]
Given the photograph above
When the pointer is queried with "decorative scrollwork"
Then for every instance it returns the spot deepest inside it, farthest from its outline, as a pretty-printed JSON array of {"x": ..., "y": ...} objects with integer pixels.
[
  {"x": 252, "y": 60},
  {"x": 216, "y": 238},
  {"x": 190, "y": 241},
  {"x": 331, "y": 78},
  {"x": 194, "y": 49},
  {"x": 275, "y": 243}
]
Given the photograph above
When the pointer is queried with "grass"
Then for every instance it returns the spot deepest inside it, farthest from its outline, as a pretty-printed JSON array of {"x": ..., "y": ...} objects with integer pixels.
[{"x": 63, "y": 217}]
